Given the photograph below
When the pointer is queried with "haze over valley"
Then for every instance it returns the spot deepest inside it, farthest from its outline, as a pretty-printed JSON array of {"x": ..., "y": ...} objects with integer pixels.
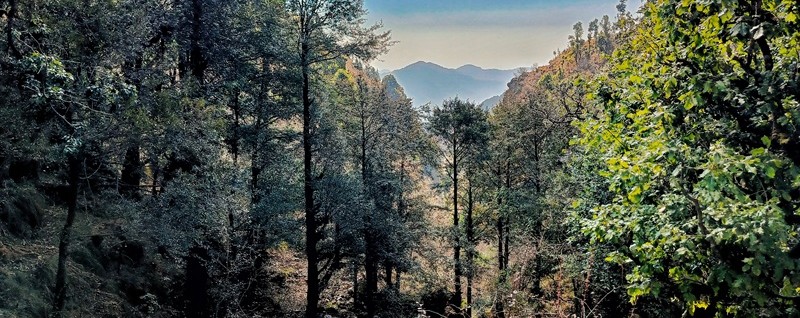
[{"x": 426, "y": 82}]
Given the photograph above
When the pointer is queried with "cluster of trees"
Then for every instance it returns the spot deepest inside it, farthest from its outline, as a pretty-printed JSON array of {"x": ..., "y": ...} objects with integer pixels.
[
  {"x": 512, "y": 186},
  {"x": 209, "y": 158},
  {"x": 684, "y": 165},
  {"x": 170, "y": 145},
  {"x": 649, "y": 169}
]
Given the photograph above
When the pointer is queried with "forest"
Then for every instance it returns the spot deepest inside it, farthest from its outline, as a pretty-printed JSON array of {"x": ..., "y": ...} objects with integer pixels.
[{"x": 241, "y": 158}]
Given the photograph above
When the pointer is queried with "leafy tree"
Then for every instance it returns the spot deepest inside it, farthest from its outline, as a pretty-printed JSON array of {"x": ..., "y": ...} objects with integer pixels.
[
  {"x": 528, "y": 139},
  {"x": 324, "y": 30},
  {"x": 461, "y": 130},
  {"x": 698, "y": 142},
  {"x": 68, "y": 95},
  {"x": 576, "y": 41},
  {"x": 604, "y": 39},
  {"x": 106, "y": 113},
  {"x": 385, "y": 143}
]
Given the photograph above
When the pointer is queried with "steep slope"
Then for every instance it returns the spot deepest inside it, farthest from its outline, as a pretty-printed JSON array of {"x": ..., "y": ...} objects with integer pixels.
[
  {"x": 557, "y": 77},
  {"x": 491, "y": 102}
]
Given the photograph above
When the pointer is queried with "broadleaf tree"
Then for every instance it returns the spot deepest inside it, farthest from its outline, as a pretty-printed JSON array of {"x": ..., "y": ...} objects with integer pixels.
[{"x": 700, "y": 149}]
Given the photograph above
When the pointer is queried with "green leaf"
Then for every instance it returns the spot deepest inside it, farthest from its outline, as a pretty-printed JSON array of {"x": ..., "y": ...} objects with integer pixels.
[
  {"x": 766, "y": 141},
  {"x": 677, "y": 170},
  {"x": 739, "y": 29},
  {"x": 689, "y": 103},
  {"x": 756, "y": 269},
  {"x": 635, "y": 194},
  {"x": 770, "y": 172}
]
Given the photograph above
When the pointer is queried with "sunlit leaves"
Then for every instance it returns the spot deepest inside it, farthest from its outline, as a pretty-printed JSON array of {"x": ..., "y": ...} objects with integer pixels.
[
  {"x": 47, "y": 77},
  {"x": 692, "y": 139}
]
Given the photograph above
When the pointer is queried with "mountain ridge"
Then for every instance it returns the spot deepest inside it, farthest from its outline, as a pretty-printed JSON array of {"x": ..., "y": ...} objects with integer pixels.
[{"x": 428, "y": 82}]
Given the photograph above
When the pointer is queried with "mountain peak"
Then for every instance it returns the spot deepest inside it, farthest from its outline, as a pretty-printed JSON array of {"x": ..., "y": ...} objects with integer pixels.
[
  {"x": 470, "y": 67},
  {"x": 429, "y": 82},
  {"x": 423, "y": 64}
]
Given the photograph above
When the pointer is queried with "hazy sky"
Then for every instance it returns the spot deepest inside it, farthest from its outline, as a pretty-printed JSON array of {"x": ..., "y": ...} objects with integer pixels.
[{"x": 489, "y": 33}]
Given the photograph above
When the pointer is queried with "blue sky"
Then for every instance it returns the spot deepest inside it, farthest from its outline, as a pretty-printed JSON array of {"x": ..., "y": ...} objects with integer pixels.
[
  {"x": 415, "y": 6},
  {"x": 492, "y": 34}
]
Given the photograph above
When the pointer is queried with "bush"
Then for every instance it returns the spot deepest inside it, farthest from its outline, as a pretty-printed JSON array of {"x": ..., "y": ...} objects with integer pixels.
[
  {"x": 26, "y": 293},
  {"x": 21, "y": 211},
  {"x": 394, "y": 304},
  {"x": 436, "y": 301}
]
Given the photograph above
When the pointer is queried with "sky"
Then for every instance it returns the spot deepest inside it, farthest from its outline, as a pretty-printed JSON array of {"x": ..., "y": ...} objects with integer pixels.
[{"x": 504, "y": 34}]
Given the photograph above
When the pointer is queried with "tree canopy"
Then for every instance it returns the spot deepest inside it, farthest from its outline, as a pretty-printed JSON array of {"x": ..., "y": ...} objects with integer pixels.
[{"x": 243, "y": 159}]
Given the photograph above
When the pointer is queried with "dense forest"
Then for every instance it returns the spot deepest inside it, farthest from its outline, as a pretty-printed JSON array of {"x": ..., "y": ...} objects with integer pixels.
[{"x": 240, "y": 158}]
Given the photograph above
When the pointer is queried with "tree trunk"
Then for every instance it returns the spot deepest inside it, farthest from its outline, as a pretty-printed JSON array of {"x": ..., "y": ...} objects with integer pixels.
[
  {"x": 131, "y": 176},
  {"x": 507, "y": 229},
  {"x": 255, "y": 173},
  {"x": 236, "y": 127},
  {"x": 11, "y": 49},
  {"x": 354, "y": 271},
  {"x": 500, "y": 265},
  {"x": 470, "y": 247},
  {"x": 387, "y": 279},
  {"x": 507, "y": 237},
  {"x": 587, "y": 283},
  {"x": 75, "y": 162},
  {"x": 456, "y": 301},
  {"x": 397, "y": 280},
  {"x": 197, "y": 284},
  {"x": 500, "y": 261},
  {"x": 401, "y": 211},
  {"x": 312, "y": 281},
  {"x": 155, "y": 173},
  {"x": 536, "y": 288},
  {"x": 197, "y": 58},
  {"x": 371, "y": 269},
  {"x": 255, "y": 165},
  {"x": 371, "y": 260}
]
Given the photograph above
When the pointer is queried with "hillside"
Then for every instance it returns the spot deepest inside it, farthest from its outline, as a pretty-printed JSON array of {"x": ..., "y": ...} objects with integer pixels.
[
  {"x": 429, "y": 82},
  {"x": 232, "y": 159},
  {"x": 491, "y": 102}
]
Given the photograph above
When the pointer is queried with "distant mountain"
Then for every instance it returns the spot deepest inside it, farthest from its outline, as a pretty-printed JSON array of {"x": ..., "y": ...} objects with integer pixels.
[
  {"x": 395, "y": 90},
  {"x": 485, "y": 74},
  {"x": 491, "y": 102},
  {"x": 428, "y": 82}
]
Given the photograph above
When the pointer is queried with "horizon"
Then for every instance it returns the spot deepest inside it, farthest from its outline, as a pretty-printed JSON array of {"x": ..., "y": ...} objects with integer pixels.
[
  {"x": 503, "y": 35},
  {"x": 453, "y": 68}
]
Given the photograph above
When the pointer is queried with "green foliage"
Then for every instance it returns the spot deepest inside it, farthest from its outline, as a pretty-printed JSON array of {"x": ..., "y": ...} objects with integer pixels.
[
  {"x": 23, "y": 291},
  {"x": 697, "y": 139},
  {"x": 21, "y": 211},
  {"x": 460, "y": 124}
]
